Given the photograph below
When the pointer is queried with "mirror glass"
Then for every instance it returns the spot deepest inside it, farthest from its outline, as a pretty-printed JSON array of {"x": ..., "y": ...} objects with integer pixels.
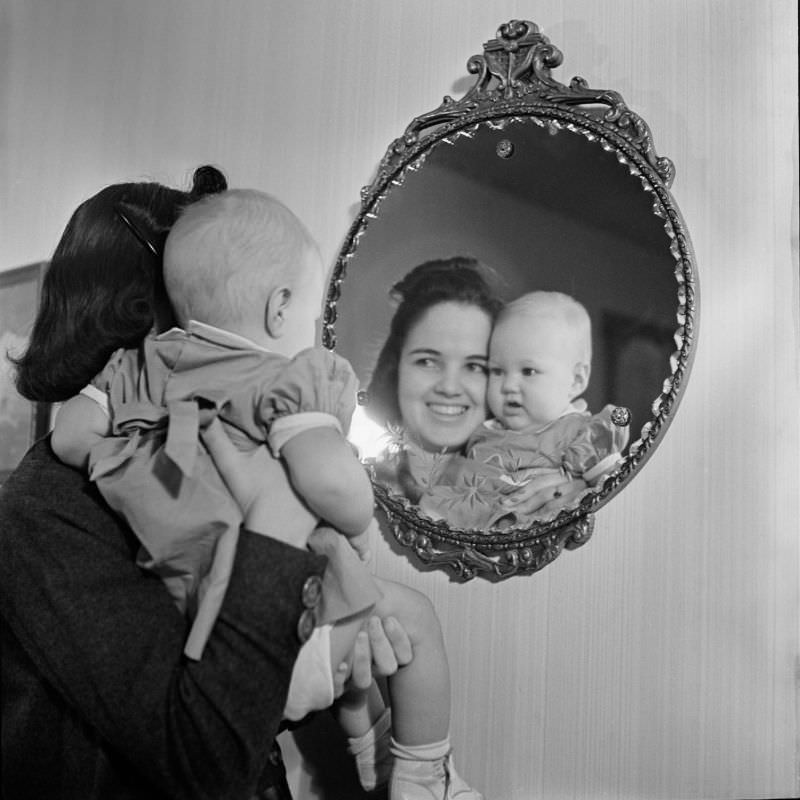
[
  {"x": 549, "y": 202},
  {"x": 561, "y": 214}
]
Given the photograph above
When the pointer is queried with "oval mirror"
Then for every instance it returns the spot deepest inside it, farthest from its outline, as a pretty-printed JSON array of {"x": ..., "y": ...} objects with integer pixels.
[{"x": 553, "y": 188}]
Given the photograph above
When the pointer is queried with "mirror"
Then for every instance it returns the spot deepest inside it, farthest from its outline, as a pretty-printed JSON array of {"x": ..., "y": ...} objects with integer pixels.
[{"x": 554, "y": 188}]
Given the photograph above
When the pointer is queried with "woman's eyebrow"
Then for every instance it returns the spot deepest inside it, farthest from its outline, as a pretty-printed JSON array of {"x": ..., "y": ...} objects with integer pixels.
[{"x": 430, "y": 351}]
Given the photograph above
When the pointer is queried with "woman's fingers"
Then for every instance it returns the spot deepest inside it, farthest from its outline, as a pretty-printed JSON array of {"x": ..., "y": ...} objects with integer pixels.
[
  {"x": 361, "y": 544},
  {"x": 340, "y": 676},
  {"x": 399, "y": 641},
  {"x": 230, "y": 463},
  {"x": 380, "y": 649},
  {"x": 390, "y": 645},
  {"x": 361, "y": 668},
  {"x": 549, "y": 492},
  {"x": 567, "y": 495},
  {"x": 372, "y": 652},
  {"x": 248, "y": 476},
  {"x": 541, "y": 489}
]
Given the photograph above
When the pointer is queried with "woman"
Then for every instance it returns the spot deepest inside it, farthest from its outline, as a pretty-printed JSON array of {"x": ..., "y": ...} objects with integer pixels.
[
  {"x": 97, "y": 698},
  {"x": 429, "y": 382}
]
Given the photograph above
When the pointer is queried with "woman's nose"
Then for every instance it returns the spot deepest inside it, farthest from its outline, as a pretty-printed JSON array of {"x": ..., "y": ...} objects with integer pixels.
[{"x": 449, "y": 383}]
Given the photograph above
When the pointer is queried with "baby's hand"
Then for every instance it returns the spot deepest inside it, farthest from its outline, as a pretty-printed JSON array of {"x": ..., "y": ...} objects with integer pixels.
[{"x": 361, "y": 543}]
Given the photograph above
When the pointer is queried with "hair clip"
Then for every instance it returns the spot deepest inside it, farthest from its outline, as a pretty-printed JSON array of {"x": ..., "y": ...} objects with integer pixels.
[{"x": 134, "y": 230}]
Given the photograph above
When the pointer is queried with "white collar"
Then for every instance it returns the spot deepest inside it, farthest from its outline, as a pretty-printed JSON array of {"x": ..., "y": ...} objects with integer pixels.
[{"x": 206, "y": 331}]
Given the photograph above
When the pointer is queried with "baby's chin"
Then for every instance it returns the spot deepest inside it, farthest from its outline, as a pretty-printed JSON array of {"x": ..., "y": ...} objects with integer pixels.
[
  {"x": 520, "y": 422},
  {"x": 511, "y": 422},
  {"x": 515, "y": 423}
]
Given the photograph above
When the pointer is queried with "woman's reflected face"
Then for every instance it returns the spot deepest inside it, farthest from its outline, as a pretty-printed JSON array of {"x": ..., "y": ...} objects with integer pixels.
[{"x": 441, "y": 380}]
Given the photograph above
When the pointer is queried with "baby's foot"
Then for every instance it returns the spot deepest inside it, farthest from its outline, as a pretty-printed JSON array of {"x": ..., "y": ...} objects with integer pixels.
[{"x": 429, "y": 780}]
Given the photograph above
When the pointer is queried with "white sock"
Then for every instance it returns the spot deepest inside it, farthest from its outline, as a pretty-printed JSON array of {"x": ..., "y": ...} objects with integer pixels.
[
  {"x": 428, "y": 771},
  {"x": 433, "y": 751},
  {"x": 372, "y": 754}
]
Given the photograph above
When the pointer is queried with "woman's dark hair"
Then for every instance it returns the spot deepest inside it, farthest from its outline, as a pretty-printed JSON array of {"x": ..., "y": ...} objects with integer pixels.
[
  {"x": 459, "y": 279},
  {"x": 104, "y": 287}
]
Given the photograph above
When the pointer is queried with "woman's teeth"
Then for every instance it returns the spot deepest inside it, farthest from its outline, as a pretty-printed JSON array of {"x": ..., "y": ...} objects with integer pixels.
[{"x": 448, "y": 411}]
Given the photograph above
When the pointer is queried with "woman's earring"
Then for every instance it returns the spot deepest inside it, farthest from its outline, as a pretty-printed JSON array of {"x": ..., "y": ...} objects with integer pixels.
[{"x": 362, "y": 397}]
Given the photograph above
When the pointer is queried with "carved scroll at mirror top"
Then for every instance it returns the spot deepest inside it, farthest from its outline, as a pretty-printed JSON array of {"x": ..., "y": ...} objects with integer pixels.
[
  {"x": 514, "y": 85},
  {"x": 513, "y": 70}
]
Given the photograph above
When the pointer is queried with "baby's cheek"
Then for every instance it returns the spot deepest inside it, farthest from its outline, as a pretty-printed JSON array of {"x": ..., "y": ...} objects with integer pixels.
[{"x": 493, "y": 397}]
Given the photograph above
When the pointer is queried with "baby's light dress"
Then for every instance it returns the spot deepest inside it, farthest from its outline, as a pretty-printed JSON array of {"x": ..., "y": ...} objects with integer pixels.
[
  {"x": 576, "y": 445},
  {"x": 154, "y": 471}
]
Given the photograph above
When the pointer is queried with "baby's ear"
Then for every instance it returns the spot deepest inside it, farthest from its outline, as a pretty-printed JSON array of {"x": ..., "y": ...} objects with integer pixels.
[
  {"x": 275, "y": 311},
  {"x": 580, "y": 380}
]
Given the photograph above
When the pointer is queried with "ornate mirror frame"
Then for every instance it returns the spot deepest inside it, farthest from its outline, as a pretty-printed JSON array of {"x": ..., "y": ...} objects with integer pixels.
[{"x": 513, "y": 84}]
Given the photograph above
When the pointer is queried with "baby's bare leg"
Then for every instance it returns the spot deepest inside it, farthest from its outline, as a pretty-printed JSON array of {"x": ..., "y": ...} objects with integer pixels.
[
  {"x": 420, "y": 691},
  {"x": 420, "y": 698}
]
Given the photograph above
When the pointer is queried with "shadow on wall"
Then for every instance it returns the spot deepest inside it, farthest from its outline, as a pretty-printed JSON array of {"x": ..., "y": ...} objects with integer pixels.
[{"x": 323, "y": 747}]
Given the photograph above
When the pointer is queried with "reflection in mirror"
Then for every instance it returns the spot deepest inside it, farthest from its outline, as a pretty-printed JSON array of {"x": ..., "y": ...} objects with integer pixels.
[
  {"x": 560, "y": 214},
  {"x": 546, "y": 199}
]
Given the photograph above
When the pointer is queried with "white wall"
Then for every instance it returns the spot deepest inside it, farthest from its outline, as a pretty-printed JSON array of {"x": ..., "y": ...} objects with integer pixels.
[{"x": 659, "y": 660}]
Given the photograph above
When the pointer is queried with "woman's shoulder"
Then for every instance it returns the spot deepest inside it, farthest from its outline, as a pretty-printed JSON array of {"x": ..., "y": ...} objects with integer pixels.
[
  {"x": 70, "y": 498},
  {"x": 38, "y": 465}
]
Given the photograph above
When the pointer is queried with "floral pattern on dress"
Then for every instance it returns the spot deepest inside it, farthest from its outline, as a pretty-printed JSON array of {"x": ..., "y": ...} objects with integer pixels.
[{"x": 467, "y": 492}]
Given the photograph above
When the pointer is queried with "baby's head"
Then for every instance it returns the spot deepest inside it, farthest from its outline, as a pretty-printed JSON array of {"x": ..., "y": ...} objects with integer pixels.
[
  {"x": 242, "y": 261},
  {"x": 540, "y": 354}
]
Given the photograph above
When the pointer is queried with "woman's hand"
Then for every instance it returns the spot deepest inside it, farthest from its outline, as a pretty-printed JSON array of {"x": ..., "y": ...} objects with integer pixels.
[
  {"x": 362, "y": 543},
  {"x": 543, "y": 495},
  {"x": 246, "y": 475},
  {"x": 381, "y": 648}
]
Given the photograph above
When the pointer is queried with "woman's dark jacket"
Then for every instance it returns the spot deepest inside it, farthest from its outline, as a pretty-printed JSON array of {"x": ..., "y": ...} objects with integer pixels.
[{"x": 97, "y": 698}]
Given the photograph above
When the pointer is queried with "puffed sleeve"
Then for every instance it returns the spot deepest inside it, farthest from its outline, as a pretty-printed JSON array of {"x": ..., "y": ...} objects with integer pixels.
[
  {"x": 100, "y": 386},
  {"x": 597, "y": 449},
  {"x": 316, "y": 388},
  {"x": 102, "y": 380}
]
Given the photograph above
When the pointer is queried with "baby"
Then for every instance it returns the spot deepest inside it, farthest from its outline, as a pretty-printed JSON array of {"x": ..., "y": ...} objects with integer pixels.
[
  {"x": 540, "y": 355},
  {"x": 246, "y": 282}
]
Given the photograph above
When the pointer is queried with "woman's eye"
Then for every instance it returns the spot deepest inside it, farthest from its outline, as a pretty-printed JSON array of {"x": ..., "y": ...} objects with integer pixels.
[
  {"x": 425, "y": 362},
  {"x": 477, "y": 367}
]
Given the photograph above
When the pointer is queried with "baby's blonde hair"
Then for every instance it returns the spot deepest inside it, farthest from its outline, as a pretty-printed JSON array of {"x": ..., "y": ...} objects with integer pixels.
[
  {"x": 561, "y": 307},
  {"x": 227, "y": 252}
]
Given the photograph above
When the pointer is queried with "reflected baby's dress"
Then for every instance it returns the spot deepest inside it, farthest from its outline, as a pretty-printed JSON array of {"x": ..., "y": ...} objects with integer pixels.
[
  {"x": 576, "y": 445},
  {"x": 154, "y": 471}
]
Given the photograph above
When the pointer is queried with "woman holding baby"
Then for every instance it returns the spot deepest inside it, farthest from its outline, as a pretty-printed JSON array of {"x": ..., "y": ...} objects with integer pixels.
[
  {"x": 98, "y": 700},
  {"x": 455, "y": 356}
]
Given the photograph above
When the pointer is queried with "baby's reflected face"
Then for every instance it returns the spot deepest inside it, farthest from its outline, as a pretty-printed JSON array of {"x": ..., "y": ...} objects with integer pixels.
[
  {"x": 533, "y": 370},
  {"x": 441, "y": 381}
]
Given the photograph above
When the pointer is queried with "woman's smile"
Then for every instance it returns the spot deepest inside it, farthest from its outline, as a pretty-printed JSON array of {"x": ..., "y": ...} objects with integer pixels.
[{"x": 448, "y": 410}]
